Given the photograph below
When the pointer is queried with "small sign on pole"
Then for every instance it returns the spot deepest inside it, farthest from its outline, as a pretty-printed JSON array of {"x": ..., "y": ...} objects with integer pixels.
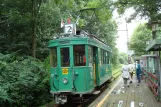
[{"x": 70, "y": 28}]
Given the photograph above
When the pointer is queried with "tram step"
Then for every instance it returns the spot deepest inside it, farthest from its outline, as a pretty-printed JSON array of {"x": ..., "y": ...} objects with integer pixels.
[{"x": 96, "y": 92}]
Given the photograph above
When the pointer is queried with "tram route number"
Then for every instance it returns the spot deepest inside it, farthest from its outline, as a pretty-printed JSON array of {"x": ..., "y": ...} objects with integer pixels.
[
  {"x": 65, "y": 71},
  {"x": 70, "y": 28}
]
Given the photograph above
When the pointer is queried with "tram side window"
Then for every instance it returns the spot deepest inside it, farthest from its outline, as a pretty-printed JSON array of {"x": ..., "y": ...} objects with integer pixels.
[
  {"x": 100, "y": 56},
  {"x": 65, "y": 57},
  {"x": 106, "y": 57},
  {"x": 53, "y": 57},
  {"x": 90, "y": 55},
  {"x": 79, "y": 55},
  {"x": 109, "y": 57}
]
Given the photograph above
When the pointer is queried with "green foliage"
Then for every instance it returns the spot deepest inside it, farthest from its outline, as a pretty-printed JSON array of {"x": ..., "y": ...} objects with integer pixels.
[
  {"x": 101, "y": 24},
  {"x": 122, "y": 58},
  {"x": 17, "y": 23},
  {"x": 14, "y": 22},
  {"x": 115, "y": 60},
  {"x": 24, "y": 81},
  {"x": 144, "y": 8},
  {"x": 139, "y": 38}
]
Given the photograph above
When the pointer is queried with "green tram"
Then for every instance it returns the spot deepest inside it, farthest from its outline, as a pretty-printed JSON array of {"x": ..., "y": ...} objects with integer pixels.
[{"x": 80, "y": 63}]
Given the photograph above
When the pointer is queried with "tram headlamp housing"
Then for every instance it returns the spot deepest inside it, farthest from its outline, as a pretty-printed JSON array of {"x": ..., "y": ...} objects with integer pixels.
[{"x": 65, "y": 80}]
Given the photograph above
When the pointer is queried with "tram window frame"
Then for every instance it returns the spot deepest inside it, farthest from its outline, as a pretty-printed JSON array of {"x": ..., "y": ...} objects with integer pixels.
[
  {"x": 65, "y": 57},
  {"x": 79, "y": 54},
  {"x": 53, "y": 58}
]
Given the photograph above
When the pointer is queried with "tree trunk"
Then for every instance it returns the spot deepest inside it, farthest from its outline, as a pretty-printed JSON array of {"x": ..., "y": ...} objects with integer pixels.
[
  {"x": 34, "y": 39},
  {"x": 33, "y": 35},
  {"x": 35, "y": 10}
]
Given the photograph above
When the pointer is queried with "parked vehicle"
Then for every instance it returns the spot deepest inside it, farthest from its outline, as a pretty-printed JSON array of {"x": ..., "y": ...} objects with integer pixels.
[{"x": 80, "y": 62}]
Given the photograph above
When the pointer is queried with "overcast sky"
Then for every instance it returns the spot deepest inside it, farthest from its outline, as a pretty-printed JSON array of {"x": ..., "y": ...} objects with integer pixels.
[{"x": 122, "y": 35}]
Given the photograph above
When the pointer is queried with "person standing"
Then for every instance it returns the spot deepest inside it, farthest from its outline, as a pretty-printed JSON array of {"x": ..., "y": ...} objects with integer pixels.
[
  {"x": 138, "y": 73},
  {"x": 125, "y": 75},
  {"x": 131, "y": 69}
]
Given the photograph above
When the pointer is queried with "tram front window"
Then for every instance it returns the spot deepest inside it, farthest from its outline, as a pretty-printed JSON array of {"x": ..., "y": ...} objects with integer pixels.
[
  {"x": 79, "y": 55},
  {"x": 53, "y": 57},
  {"x": 65, "y": 57}
]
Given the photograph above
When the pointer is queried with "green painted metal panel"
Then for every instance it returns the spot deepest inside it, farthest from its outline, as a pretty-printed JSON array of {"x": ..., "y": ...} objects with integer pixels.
[
  {"x": 99, "y": 44},
  {"x": 151, "y": 64},
  {"x": 69, "y": 85},
  {"x": 155, "y": 45},
  {"x": 105, "y": 73},
  {"x": 54, "y": 84},
  {"x": 67, "y": 41},
  {"x": 80, "y": 79},
  {"x": 84, "y": 79},
  {"x": 79, "y": 40}
]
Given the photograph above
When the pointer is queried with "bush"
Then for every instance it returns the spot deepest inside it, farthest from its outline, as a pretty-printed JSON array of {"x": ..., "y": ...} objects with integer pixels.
[{"x": 23, "y": 81}]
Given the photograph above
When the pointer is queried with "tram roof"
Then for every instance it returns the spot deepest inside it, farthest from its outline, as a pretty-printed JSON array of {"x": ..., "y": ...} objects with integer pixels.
[{"x": 79, "y": 40}]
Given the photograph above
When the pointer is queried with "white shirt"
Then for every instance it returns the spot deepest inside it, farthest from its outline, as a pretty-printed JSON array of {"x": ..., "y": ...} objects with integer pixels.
[
  {"x": 131, "y": 67},
  {"x": 125, "y": 72}
]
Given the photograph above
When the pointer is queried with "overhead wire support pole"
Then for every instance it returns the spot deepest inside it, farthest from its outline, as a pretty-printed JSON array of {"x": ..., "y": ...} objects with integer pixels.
[
  {"x": 128, "y": 58},
  {"x": 127, "y": 36}
]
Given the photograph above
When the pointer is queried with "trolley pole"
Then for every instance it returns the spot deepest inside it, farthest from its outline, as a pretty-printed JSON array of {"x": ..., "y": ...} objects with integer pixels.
[{"x": 128, "y": 57}]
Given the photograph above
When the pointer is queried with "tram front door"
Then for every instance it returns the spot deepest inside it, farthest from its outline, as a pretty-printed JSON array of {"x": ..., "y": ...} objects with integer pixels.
[
  {"x": 95, "y": 63},
  {"x": 64, "y": 68}
]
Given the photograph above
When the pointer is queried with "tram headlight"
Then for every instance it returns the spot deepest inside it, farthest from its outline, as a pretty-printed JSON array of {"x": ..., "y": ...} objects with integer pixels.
[{"x": 65, "y": 80}]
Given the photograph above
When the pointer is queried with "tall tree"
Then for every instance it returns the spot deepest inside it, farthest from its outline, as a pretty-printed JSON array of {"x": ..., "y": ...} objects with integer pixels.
[
  {"x": 149, "y": 9},
  {"x": 18, "y": 26},
  {"x": 28, "y": 25},
  {"x": 15, "y": 27},
  {"x": 35, "y": 11},
  {"x": 103, "y": 26},
  {"x": 139, "y": 38}
]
